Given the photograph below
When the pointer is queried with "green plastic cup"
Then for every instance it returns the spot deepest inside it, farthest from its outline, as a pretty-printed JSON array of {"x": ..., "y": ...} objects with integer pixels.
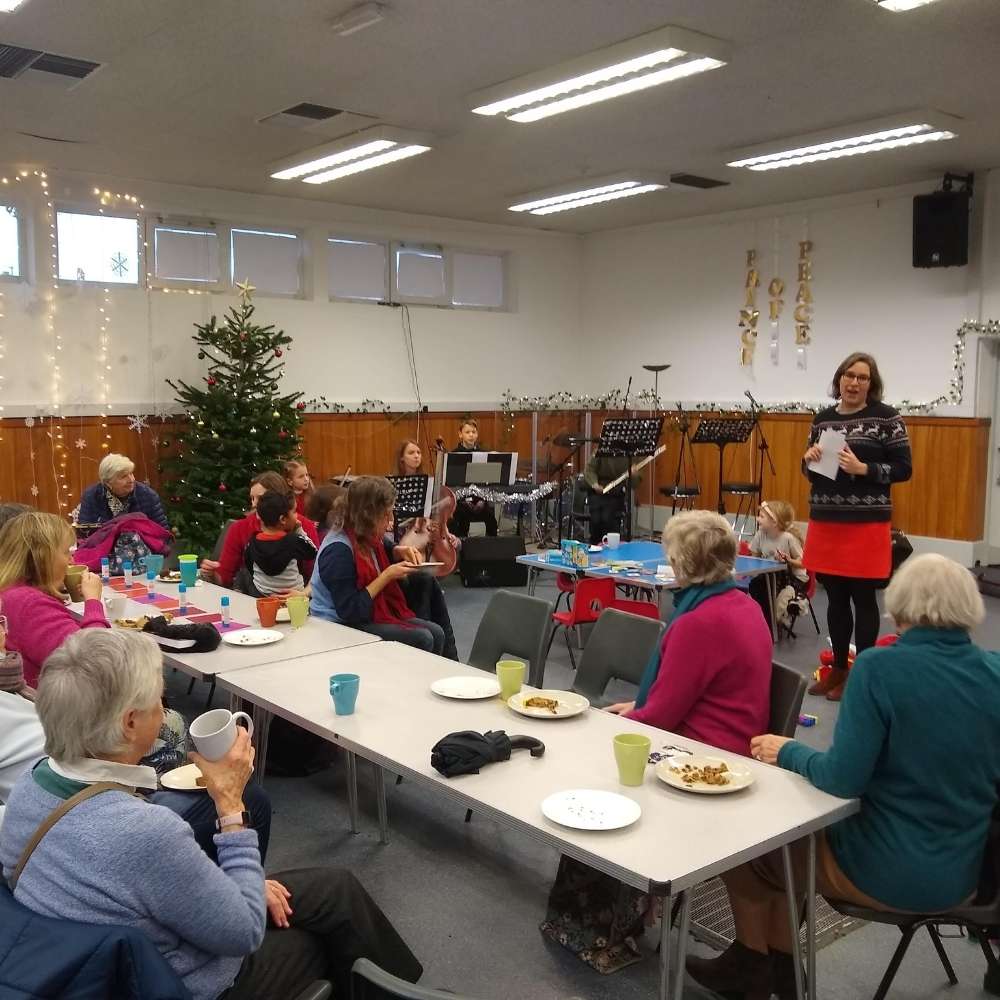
[
  {"x": 298, "y": 610},
  {"x": 631, "y": 756},
  {"x": 510, "y": 674}
]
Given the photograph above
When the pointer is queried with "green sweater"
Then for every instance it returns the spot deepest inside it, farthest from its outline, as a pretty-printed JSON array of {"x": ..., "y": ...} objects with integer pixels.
[{"x": 918, "y": 741}]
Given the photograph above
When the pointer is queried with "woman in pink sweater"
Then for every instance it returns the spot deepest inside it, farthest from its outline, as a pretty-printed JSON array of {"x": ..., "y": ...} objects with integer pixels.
[
  {"x": 711, "y": 677},
  {"x": 34, "y": 556}
]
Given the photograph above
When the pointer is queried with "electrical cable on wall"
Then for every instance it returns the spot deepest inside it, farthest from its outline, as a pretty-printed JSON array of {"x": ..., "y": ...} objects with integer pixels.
[{"x": 411, "y": 359}]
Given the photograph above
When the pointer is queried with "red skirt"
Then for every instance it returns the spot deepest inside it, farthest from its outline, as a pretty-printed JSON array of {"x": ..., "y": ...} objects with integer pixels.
[{"x": 837, "y": 548}]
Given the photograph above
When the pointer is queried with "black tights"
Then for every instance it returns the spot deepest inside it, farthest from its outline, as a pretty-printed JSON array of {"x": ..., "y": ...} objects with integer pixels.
[{"x": 842, "y": 620}]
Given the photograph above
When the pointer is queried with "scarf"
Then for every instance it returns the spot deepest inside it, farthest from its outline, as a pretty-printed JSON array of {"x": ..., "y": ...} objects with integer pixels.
[
  {"x": 115, "y": 504},
  {"x": 389, "y": 607},
  {"x": 686, "y": 599}
]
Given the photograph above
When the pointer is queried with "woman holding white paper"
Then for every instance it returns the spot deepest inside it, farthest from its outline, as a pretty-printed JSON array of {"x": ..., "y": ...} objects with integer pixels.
[{"x": 849, "y": 542}]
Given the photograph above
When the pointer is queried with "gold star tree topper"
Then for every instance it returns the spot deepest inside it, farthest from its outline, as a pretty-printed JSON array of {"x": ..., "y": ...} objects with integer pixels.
[{"x": 245, "y": 289}]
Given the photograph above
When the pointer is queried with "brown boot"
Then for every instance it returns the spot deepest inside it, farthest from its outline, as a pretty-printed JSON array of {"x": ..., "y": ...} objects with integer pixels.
[
  {"x": 738, "y": 969},
  {"x": 836, "y": 693},
  {"x": 836, "y": 677},
  {"x": 783, "y": 975}
]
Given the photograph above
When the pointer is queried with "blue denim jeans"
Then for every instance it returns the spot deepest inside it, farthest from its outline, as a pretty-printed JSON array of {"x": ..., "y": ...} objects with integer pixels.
[{"x": 424, "y": 635}]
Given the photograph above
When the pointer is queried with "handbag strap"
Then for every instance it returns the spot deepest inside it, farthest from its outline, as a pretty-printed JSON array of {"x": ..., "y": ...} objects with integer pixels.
[{"x": 57, "y": 814}]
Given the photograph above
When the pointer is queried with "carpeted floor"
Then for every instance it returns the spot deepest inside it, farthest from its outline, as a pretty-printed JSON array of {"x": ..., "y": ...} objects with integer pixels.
[{"x": 468, "y": 897}]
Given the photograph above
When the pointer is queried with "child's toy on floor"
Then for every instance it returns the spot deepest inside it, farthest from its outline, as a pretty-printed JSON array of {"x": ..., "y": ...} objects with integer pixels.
[
  {"x": 826, "y": 657},
  {"x": 807, "y": 720}
]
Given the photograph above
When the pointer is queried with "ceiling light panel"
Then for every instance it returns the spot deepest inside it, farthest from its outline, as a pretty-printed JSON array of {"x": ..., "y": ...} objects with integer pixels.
[
  {"x": 363, "y": 150},
  {"x": 628, "y": 67},
  {"x": 913, "y": 128},
  {"x": 6, "y": 6},
  {"x": 589, "y": 191},
  {"x": 900, "y": 6}
]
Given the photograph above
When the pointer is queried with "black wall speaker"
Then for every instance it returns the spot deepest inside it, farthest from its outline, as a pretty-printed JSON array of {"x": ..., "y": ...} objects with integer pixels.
[{"x": 941, "y": 229}]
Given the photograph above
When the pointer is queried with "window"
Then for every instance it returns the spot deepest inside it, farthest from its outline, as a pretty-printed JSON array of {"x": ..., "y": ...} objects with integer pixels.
[
  {"x": 186, "y": 255},
  {"x": 420, "y": 274},
  {"x": 101, "y": 248},
  {"x": 357, "y": 269},
  {"x": 477, "y": 280},
  {"x": 272, "y": 261},
  {"x": 10, "y": 242}
]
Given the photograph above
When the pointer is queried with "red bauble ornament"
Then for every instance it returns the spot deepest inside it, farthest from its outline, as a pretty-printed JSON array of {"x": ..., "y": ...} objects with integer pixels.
[
  {"x": 282, "y": 435},
  {"x": 210, "y": 380},
  {"x": 223, "y": 487},
  {"x": 300, "y": 406},
  {"x": 175, "y": 499},
  {"x": 277, "y": 352}
]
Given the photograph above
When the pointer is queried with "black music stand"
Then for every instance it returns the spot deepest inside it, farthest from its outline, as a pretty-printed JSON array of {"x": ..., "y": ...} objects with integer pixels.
[
  {"x": 721, "y": 431},
  {"x": 633, "y": 437},
  {"x": 681, "y": 492},
  {"x": 413, "y": 497}
]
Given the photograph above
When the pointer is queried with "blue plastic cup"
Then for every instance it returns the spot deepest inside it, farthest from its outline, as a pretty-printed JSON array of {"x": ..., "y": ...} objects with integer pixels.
[
  {"x": 153, "y": 562},
  {"x": 344, "y": 691},
  {"x": 188, "y": 565}
]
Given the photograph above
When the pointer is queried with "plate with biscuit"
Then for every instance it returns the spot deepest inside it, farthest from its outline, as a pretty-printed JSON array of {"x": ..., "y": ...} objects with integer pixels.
[
  {"x": 183, "y": 779},
  {"x": 548, "y": 704},
  {"x": 705, "y": 775}
]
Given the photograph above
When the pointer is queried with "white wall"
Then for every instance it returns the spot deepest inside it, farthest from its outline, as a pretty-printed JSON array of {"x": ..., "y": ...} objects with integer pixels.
[
  {"x": 672, "y": 292},
  {"x": 344, "y": 351}
]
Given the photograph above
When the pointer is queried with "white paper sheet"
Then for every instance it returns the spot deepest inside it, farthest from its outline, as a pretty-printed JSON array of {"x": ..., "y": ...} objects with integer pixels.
[{"x": 832, "y": 443}]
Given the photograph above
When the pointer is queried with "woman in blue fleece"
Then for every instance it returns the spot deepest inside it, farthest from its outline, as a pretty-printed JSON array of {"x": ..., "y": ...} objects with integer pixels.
[
  {"x": 916, "y": 742},
  {"x": 115, "y": 858}
]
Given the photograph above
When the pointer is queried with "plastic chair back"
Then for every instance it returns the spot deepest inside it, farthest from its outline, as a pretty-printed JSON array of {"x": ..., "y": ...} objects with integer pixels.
[
  {"x": 644, "y": 609},
  {"x": 744, "y": 547},
  {"x": 369, "y": 982},
  {"x": 593, "y": 595},
  {"x": 788, "y": 687},
  {"x": 620, "y": 646},
  {"x": 566, "y": 583},
  {"x": 513, "y": 624}
]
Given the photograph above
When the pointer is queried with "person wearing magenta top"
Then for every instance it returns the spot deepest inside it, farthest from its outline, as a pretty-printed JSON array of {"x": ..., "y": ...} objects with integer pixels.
[
  {"x": 34, "y": 556},
  {"x": 708, "y": 680}
]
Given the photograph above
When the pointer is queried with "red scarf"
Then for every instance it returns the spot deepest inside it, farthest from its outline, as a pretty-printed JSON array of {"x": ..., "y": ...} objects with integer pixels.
[{"x": 389, "y": 607}]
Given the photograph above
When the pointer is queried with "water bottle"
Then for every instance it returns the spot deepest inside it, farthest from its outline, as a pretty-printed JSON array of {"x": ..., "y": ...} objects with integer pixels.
[
  {"x": 150, "y": 584},
  {"x": 224, "y": 604},
  {"x": 182, "y": 600},
  {"x": 106, "y": 571},
  {"x": 127, "y": 570}
]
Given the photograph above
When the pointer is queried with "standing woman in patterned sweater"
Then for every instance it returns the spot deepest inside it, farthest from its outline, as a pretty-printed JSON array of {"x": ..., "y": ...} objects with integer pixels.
[{"x": 849, "y": 542}]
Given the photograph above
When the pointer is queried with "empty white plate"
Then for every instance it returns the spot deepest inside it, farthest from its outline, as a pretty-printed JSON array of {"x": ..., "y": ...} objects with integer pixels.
[
  {"x": 673, "y": 770},
  {"x": 467, "y": 688},
  {"x": 590, "y": 809},
  {"x": 568, "y": 703},
  {"x": 252, "y": 637},
  {"x": 281, "y": 616},
  {"x": 182, "y": 779}
]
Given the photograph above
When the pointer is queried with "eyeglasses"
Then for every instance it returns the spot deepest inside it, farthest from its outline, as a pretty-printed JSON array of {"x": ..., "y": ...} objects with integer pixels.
[{"x": 860, "y": 379}]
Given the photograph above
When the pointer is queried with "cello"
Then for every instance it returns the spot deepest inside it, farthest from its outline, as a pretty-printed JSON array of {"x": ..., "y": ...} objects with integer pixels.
[{"x": 431, "y": 533}]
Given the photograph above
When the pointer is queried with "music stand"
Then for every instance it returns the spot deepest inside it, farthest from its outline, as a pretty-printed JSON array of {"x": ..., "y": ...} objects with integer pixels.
[
  {"x": 680, "y": 492},
  {"x": 632, "y": 437},
  {"x": 413, "y": 497},
  {"x": 721, "y": 431}
]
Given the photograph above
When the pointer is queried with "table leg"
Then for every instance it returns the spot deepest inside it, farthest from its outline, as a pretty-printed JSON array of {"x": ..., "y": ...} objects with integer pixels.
[
  {"x": 532, "y": 580},
  {"x": 352, "y": 788},
  {"x": 772, "y": 600},
  {"x": 811, "y": 919},
  {"x": 383, "y": 810},
  {"x": 793, "y": 918},
  {"x": 665, "y": 921},
  {"x": 682, "y": 934},
  {"x": 261, "y": 731}
]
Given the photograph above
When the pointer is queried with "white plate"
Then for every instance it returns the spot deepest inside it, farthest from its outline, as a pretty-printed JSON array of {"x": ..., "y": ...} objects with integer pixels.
[
  {"x": 466, "y": 688},
  {"x": 670, "y": 770},
  {"x": 589, "y": 809},
  {"x": 174, "y": 583},
  {"x": 252, "y": 637},
  {"x": 429, "y": 567},
  {"x": 570, "y": 704},
  {"x": 182, "y": 779},
  {"x": 282, "y": 616}
]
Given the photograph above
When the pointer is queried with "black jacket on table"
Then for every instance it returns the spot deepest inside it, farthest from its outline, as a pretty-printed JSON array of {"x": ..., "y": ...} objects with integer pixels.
[{"x": 877, "y": 436}]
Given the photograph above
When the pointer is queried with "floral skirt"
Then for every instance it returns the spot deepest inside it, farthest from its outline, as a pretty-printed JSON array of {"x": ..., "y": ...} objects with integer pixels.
[{"x": 595, "y": 916}]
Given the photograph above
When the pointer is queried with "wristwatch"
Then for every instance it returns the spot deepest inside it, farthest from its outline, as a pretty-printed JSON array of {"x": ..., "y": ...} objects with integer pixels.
[{"x": 234, "y": 819}]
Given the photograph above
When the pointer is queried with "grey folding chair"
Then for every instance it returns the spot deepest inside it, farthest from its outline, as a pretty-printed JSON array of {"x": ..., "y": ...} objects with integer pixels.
[
  {"x": 788, "y": 687},
  {"x": 619, "y": 646},
  {"x": 369, "y": 982},
  {"x": 513, "y": 624}
]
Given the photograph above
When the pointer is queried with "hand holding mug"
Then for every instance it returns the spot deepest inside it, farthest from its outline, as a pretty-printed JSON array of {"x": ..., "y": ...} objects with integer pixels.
[
  {"x": 91, "y": 586},
  {"x": 226, "y": 777}
]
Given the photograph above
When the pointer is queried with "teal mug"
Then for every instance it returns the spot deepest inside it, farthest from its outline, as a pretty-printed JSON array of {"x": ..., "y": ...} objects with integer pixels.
[
  {"x": 344, "y": 691},
  {"x": 152, "y": 562}
]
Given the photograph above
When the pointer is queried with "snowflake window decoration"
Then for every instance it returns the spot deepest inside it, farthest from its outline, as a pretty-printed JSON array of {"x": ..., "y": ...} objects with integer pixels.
[{"x": 138, "y": 423}]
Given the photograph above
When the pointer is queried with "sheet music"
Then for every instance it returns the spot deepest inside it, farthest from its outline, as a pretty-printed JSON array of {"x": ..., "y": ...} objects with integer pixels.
[{"x": 832, "y": 443}]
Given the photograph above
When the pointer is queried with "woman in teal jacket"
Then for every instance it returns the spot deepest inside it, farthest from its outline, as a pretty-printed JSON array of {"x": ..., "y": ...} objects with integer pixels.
[{"x": 916, "y": 742}]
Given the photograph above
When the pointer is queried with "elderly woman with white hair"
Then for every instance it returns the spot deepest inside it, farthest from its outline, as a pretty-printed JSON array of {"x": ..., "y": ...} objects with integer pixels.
[
  {"x": 118, "y": 492},
  {"x": 916, "y": 741},
  {"x": 114, "y": 858}
]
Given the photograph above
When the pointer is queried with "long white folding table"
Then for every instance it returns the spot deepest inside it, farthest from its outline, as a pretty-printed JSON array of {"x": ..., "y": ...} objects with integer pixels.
[{"x": 681, "y": 840}]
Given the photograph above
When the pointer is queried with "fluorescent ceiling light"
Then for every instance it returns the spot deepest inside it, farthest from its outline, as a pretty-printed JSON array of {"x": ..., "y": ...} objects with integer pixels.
[
  {"x": 910, "y": 129},
  {"x": 358, "y": 18},
  {"x": 364, "y": 150},
  {"x": 6, "y": 6},
  {"x": 901, "y": 5},
  {"x": 403, "y": 153},
  {"x": 625, "y": 68},
  {"x": 592, "y": 191}
]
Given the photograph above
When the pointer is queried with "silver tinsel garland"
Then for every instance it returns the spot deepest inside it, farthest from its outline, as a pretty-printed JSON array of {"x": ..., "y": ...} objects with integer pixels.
[
  {"x": 646, "y": 399},
  {"x": 499, "y": 496}
]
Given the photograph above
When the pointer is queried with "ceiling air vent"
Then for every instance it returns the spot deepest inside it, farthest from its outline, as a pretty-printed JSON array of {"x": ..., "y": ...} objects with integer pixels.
[
  {"x": 14, "y": 60},
  {"x": 65, "y": 66},
  {"x": 314, "y": 112},
  {"x": 694, "y": 181}
]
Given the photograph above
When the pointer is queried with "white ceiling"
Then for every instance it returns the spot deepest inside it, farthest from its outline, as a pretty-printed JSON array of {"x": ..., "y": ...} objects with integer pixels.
[{"x": 185, "y": 80}]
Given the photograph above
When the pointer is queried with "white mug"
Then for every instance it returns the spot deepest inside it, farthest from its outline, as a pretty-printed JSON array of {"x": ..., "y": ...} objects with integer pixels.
[
  {"x": 611, "y": 539},
  {"x": 115, "y": 607},
  {"x": 214, "y": 732}
]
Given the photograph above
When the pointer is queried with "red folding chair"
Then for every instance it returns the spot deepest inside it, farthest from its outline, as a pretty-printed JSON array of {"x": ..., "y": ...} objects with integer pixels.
[
  {"x": 566, "y": 585},
  {"x": 591, "y": 597},
  {"x": 644, "y": 609}
]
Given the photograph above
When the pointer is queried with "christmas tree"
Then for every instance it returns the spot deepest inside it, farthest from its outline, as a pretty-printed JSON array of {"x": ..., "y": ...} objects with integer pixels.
[{"x": 233, "y": 428}]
